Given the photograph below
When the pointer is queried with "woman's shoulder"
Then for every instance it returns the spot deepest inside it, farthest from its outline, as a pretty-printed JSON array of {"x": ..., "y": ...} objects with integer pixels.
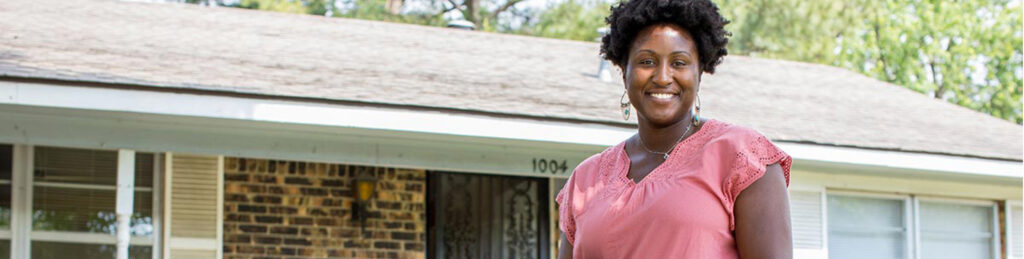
[
  {"x": 735, "y": 133},
  {"x": 592, "y": 166}
]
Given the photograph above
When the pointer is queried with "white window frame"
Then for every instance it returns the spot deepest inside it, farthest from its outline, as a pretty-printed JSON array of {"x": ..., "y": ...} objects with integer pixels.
[
  {"x": 1008, "y": 218},
  {"x": 908, "y": 219},
  {"x": 21, "y": 233},
  {"x": 994, "y": 245}
]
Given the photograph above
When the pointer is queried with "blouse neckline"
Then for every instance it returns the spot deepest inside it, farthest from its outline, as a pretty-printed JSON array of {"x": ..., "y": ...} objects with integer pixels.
[{"x": 680, "y": 153}]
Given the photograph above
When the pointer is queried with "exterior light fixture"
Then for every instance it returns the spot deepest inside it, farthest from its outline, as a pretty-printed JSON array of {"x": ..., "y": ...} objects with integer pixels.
[{"x": 365, "y": 188}]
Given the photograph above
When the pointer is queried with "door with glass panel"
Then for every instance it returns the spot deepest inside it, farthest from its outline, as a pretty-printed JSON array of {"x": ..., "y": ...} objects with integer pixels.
[{"x": 74, "y": 199}]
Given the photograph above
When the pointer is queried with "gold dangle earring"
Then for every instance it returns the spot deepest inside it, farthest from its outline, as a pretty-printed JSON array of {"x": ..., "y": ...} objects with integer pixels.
[
  {"x": 696, "y": 113},
  {"x": 625, "y": 106}
]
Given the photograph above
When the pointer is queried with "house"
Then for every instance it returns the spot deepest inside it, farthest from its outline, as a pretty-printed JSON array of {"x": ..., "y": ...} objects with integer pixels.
[{"x": 220, "y": 132}]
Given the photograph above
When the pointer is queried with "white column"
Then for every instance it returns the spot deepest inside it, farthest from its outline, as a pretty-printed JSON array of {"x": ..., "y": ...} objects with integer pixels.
[
  {"x": 125, "y": 199},
  {"x": 21, "y": 202}
]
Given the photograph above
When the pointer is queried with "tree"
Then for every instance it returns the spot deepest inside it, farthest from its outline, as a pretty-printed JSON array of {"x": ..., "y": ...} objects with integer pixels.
[
  {"x": 572, "y": 19},
  {"x": 316, "y": 7},
  {"x": 964, "y": 52},
  {"x": 483, "y": 13}
]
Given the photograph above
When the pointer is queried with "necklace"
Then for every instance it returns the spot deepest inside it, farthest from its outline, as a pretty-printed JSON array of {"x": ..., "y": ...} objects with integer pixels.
[{"x": 664, "y": 155}]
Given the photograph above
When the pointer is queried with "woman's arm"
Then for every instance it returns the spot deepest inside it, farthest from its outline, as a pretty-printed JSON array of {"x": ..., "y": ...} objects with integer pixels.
[
  {"x": 565, "y": 250},
  {"x": 763, "y": 227}
]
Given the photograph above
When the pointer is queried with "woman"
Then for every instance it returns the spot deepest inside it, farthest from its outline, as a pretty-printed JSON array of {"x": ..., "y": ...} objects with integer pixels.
[{"x": 683, "y": 186}]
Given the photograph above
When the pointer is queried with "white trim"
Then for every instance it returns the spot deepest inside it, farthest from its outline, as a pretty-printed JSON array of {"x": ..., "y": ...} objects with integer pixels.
[
  {"x": 87, "y": 238},
  {"x": 194, "y": 244},
  {"x": 845, "y": 156},
  {"x": 5, "y": 181},
  {"x": 824, "y": 221},
  {"x": 1010, "y": 225},
  {"x": 917, "y": 228},
  {"x": 89, "y": 186},
  {"x": 890, "y": 196},
  {"x": 157, "y": 206},
  {"x": 21, "y": 201},
  {"x": 220, "y": 206},
  {"x": 125, "y": 199},
  {"x": 168, "y": 161},
  {"x": 910, "y": 229},
  {"x": 965, "y": 201},
  {"x": 479, "y": 126},
  {"x": 996, "y": 239}
]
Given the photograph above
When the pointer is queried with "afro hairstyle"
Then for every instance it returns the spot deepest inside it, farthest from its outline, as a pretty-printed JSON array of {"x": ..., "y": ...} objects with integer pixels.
[{"x": 699, "y": 17}]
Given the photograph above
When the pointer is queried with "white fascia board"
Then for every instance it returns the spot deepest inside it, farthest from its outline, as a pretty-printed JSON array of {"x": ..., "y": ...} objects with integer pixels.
[
  {"x": 294, "y": 112},
  {"x": 463, "y": 125}
]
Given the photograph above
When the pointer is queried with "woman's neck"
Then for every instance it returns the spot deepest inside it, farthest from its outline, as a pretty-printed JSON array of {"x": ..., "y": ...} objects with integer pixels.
[{"x": 662, "y": 138}]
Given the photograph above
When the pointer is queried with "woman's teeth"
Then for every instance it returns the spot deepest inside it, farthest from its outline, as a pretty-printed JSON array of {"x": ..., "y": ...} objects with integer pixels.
[{"x": 662, "y": 96}]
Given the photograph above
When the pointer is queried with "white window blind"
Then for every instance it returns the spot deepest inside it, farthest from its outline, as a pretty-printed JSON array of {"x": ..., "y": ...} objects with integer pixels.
[
  {"x": 805, "y": 212},
  {"x": 955, "y": 231},
  {"x": 866, "y": 227}
]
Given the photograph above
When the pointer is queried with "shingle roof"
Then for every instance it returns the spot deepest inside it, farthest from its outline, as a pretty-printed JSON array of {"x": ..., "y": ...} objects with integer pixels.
[{"x": 261, "y": 53}]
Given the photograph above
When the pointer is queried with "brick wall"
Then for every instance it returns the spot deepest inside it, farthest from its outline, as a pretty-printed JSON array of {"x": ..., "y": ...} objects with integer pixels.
[{"x": 290, "y": 209}]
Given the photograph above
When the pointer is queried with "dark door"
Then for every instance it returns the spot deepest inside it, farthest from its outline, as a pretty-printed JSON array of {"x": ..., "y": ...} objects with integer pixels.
[{"x": 486, "y": 216}]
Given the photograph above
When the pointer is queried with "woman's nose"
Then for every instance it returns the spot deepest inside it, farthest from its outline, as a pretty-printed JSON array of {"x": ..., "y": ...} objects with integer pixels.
[{"x": 663, "y": 75}]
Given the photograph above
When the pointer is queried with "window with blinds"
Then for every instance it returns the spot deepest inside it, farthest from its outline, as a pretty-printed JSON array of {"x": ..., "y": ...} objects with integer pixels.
[
  {"x": 880, "y": 226},
  {"x": 6, "y": 168},
  {"x": 866, "y": 227},
  {"x": 74, "y": 191},
  {"x": 960, "y": 231}
]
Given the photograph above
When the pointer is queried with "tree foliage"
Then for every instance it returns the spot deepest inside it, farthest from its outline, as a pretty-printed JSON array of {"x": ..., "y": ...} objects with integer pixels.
[
  {"x": 964, "y": 52},
  {"x": 572, "y": 19}
]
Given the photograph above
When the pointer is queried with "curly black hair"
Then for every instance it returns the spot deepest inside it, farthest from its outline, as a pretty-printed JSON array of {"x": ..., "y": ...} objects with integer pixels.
[{"x": 699, "y": 17}]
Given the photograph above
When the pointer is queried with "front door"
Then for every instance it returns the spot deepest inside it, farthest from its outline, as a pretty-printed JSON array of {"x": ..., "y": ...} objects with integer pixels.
[{"x": 486, "y": 216}]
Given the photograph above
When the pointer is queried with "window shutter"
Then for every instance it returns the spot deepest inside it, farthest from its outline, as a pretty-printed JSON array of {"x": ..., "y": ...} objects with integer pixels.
[
  {"x": 1014, "y": 231},
  {"x": 194, "y": 206},
  {"x": 805, "y": 211}
]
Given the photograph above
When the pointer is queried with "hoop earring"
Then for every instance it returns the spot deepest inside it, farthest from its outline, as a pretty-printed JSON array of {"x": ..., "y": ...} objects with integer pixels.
[
  {"x": 625, "y": 106},
  {"x": 696, "y": 113}
]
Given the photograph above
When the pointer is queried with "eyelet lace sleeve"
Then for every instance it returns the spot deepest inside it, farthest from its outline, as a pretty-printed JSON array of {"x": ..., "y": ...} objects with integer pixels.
[
  {"x": 751, "y": 161},
  {"x": 566, "y": 220}
]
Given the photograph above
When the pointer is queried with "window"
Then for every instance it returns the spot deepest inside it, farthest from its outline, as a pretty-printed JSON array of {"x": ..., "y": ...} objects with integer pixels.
[
  {"x": 73, "y": 204},
  {"x": 956, "y": 230},
  {"x": 6, "y": 167},
  {"x": 894, "y": 226},
  {"x": 866, "y": 227}
]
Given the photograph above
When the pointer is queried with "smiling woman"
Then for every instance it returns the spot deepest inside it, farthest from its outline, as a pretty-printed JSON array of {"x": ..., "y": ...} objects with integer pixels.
[{"x": 683, "y": 186}]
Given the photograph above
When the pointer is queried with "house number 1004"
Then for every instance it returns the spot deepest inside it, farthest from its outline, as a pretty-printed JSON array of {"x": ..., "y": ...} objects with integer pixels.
[{"x": 551, "y": 166}]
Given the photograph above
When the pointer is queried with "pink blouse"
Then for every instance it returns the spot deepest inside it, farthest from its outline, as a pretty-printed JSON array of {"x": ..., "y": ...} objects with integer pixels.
[{"x": 682, "y": 209}]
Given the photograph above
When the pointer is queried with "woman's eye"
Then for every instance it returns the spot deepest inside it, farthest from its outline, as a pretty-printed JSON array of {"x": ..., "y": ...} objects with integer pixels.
[
  {"x": 679, "y": 63},
  {"x": 646, "y": 62}
]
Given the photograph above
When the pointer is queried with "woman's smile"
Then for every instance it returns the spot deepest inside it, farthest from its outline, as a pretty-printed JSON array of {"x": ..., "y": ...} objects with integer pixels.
[{"x": 662, "y": 97}]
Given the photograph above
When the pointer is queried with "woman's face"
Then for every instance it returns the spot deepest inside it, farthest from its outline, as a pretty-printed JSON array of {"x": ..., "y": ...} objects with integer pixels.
[{"x": 662, "y": 74}]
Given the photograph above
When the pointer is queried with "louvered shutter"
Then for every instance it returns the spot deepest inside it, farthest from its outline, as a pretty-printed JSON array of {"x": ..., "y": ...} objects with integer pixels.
[
  {"x": 1015, "y": 232},
  {"x": 805, "y": 211},
  {"x": 194, "y": 206}
]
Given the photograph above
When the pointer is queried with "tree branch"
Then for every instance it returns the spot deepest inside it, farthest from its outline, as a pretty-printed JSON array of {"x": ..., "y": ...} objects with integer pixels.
[
  {"x": 504, "y": 7},
  {"x": 445, "y": 9}
]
